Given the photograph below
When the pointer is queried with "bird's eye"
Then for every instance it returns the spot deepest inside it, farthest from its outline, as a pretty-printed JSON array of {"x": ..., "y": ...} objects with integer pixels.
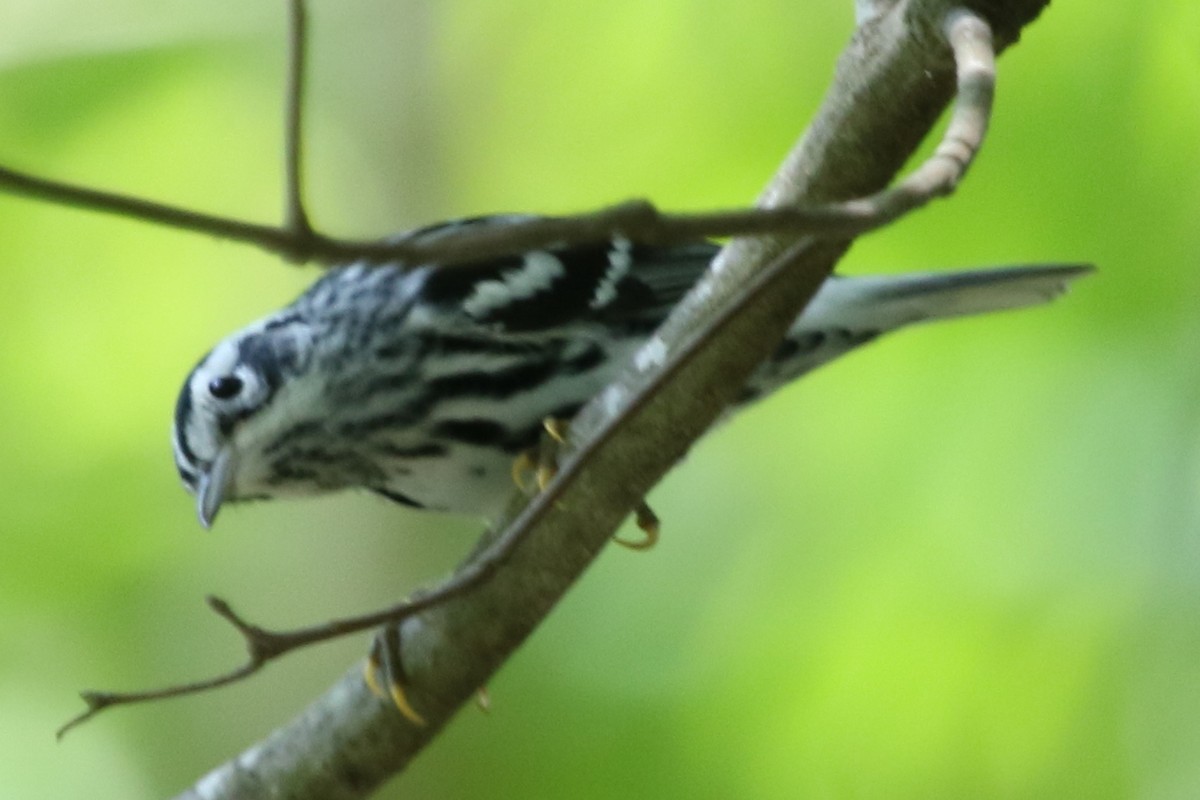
[{"x": 225, "y": 387}]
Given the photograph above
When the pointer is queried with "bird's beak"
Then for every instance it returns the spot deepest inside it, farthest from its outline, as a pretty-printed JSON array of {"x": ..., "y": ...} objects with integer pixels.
[{"x": 215, "y": 486}]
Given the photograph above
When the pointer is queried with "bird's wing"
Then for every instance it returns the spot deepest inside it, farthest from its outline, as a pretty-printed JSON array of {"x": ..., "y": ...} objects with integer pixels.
[{"x": 626, "y": 288}]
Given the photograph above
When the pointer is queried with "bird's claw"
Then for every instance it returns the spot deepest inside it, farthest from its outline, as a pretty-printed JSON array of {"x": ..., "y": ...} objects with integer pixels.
[
  {"x": 384, "y": 661},
  {"x": 542, "y": 463},
  {"x": 647, "y": 520}
]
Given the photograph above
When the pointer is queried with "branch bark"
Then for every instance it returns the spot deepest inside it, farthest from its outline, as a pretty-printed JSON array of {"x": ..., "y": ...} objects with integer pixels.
[{"x": 894, "y": 78}]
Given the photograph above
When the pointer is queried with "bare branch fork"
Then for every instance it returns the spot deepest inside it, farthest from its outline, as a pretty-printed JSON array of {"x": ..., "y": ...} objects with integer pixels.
[{"x": 891, "y": 83}]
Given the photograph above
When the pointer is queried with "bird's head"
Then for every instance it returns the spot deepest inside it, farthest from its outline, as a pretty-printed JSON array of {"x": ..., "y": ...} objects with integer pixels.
[{"x": 239, "y": 399}]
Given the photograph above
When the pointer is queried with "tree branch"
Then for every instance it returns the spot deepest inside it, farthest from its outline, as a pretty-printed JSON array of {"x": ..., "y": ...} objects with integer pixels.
[{"x": 890, "y": 85}]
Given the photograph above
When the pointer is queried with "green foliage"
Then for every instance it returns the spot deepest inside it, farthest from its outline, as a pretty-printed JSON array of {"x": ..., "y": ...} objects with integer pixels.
[{"x": 963, "y": 563}]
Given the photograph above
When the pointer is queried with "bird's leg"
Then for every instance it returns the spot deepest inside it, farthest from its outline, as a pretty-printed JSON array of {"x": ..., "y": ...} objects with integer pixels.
[
  {"x": 522, "y": 465},
  {"x": 542, "y": 463},
  {"x": 551, "y": 445},
  {"x": 384, "y": 661}
]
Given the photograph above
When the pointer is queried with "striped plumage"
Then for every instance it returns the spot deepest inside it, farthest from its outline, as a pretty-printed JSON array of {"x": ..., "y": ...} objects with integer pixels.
[{"x": 424, "y": 384}]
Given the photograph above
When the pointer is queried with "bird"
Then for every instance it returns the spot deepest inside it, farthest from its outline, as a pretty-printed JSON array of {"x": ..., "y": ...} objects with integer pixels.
[{"x": 424, "y": 383}]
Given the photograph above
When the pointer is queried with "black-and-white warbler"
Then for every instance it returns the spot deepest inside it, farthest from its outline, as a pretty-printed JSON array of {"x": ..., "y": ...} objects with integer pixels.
[{"x": 424, "y": 384}]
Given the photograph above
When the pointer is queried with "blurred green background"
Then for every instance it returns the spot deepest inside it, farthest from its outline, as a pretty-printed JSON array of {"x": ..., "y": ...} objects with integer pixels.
[{"x": 962, "y": 563}]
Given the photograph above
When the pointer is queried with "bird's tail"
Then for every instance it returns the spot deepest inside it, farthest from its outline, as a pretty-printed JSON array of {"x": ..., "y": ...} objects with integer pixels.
[
  {"x": 850, "y": 311},
  {"x": 884, "y": 302}
]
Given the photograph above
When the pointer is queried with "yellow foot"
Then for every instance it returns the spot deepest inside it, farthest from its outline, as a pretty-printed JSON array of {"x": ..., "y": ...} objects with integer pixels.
[
  {"x": 384, "y": 661},
  {"x": 541, "y": 462},
  {"x": 647, "y": 520},
  {"x": 552, "y": 443},
  {"x": 522, "y": 466}
]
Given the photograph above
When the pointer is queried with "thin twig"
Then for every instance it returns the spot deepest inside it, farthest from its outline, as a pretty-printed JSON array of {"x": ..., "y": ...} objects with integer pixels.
[
  {"x": 971, "y": 42},
  {"x": 638, "y": 220},
  {"x": 268, "y": 237},
  {"x": 295, "y": 217}
]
